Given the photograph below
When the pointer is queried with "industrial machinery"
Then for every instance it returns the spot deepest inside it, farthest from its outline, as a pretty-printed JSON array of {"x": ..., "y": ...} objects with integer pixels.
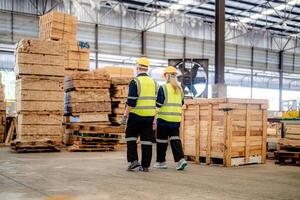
[
  {"x": 192, "y": 75},
  {"x": 291, "y": 109}
]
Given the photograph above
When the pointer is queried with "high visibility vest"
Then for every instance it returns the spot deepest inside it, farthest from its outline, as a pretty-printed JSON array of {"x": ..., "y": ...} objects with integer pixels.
[
  {"x": 171, "y": 109},
  {"x": 146, "y": 100}
]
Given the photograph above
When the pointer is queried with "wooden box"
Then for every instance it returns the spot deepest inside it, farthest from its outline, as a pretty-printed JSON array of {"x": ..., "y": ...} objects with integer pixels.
[{"x": 231, "y": 132}]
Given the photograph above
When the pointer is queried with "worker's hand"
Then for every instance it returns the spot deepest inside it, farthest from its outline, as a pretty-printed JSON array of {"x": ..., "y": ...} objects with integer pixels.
[
  {"x": 154, "y": 126},
  {"x": 124, "y": 120}
]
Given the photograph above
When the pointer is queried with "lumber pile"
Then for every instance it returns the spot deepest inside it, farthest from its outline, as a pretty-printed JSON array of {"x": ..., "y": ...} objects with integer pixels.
[
  {"x": 120, "y": 78},
  {"x": 39, "y": 93},
  {"x": 88, "y": 104},
  {"x": 273, "y": 137},
  {"x": 63, "y": 27},
  {"x": 58, "y": 26},
  {"x": 288, "y": 152},
  {"x": 2, "y": 113},
  {"x": 230, "y": 132}
]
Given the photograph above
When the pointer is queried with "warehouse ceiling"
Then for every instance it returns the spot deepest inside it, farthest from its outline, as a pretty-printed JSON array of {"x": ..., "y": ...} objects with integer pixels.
[{"x": 281, "y": 17}]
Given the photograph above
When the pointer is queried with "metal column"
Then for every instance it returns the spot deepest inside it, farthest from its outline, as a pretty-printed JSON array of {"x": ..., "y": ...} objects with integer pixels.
[
  {"x": 96, "y": 45},
  {"x": 184, "y": 47},
  {"x": 252, "y": 63},
  {"x": 143, "y": 42},
  {"x": 219, "y": 89},
  {"x": 280, "y": 67}
]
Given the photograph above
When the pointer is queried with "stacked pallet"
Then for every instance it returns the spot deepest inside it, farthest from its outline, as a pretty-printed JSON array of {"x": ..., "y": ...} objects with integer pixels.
[
  {"x": 2, "y": 114},
  {"x": 289, "y": 146},
  {"x": 63, "y": 27},
  {"x": 39, "y": 94},
  {"x": 230, "y": 132}
]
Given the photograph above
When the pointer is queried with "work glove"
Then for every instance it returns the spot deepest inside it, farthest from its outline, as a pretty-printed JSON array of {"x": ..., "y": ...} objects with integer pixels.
[{"x": 124, "y": 120}]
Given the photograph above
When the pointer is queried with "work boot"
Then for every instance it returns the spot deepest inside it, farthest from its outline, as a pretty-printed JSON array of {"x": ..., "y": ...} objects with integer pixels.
[
  {"x": 133, "y": 165},
  {"x": 160, "y": 165},
  {"x": 181, "y": 164},
  {"x": 143, "y": 169}
]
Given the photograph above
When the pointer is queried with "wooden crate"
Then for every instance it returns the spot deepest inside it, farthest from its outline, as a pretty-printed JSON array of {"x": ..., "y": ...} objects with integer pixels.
[{"x": 225, "y": 131}]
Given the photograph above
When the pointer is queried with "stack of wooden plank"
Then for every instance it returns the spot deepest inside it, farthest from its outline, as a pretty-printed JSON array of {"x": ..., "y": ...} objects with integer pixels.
[
  {"x": 230, "y": 132},
  {"x": 63, "y": 27},
  {"x": 39, "y": 94},
  {"x": 88, "y": 104},
  {"x": 2, "y": 113},
  {"x": 289, "y": 146},
  {"x": 58, "y": 26},
  {"x": 273, "y": 137},
  {"x": 120, "y": 78}
]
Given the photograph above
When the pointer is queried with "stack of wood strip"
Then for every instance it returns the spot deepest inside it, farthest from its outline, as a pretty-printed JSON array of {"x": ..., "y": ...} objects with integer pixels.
[
  {"x": 88, "y": 104},
  {"x": 2, "y": 113},
  {"x": 230, "y": 132},
  {"x": 120, "y": 78},
  {"x": 289, "y": 146},
  {"x": 39, "y": 94},
  {"x": 58, "y": 26},
  {"x": 273, "y": 137}
]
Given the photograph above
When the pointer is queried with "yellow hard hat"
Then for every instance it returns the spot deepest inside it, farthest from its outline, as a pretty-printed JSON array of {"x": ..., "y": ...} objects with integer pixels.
[
  {"x": 170, "y": 70},
  {"x": 143, "y": 61}
]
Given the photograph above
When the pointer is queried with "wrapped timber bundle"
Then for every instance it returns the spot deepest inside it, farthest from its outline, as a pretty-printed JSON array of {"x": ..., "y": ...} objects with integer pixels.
[
  {"x": 88, "y": 104},
  {"x": 2, "y": 113},
  {"x": 289, "y": 146},
  {"x": 230, "y": 132},
  {"x": 39, "y": 95}
]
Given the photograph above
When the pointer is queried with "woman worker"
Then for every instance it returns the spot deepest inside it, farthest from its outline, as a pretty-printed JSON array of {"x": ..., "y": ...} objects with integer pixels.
[{"x": 169, "y": 101}]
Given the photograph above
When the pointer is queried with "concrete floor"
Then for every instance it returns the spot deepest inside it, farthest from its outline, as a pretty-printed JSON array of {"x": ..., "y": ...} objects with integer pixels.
[{"x": 92, "y": 176}]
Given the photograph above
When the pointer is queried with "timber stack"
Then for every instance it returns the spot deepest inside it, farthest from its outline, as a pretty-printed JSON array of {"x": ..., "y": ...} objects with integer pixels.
[
  {"x": 120, "y": 78},
  {"x": 87, "y": 102},
  {"x": 288, "y": 152},
  {"x": 230, "y": 132},
  {"x": 273, "y": 137},
  {"x": 2, "y": 113},
  {"x": 39, "y": 95}
]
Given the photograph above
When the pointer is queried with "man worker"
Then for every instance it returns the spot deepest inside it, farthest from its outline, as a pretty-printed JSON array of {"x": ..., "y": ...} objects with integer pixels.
[{"x": 139, "y": 115}]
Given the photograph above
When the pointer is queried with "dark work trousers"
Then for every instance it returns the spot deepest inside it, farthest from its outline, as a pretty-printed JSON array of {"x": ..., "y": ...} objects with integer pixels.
[
  {"x": 134, "y": 129},
  {"x": 163, "y": 134}
]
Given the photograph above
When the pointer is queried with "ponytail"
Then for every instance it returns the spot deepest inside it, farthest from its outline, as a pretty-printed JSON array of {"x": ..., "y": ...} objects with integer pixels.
[{"x": 171, "y": 78}]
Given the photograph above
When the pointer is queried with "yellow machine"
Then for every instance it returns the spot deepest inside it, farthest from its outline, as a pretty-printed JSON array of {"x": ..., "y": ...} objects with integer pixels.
[{"x": 291, "y": 109}]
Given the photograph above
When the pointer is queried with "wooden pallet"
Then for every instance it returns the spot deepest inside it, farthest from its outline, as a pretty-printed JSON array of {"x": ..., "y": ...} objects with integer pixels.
[
  {"x": 285, "y": 157},
  {"x": 33, "y": 146}
]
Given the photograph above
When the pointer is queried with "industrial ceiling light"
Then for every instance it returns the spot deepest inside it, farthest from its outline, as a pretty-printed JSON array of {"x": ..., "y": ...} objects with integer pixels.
[
  {"x": 176, "y": 6},
  {"x": 256, "y": 16},
  {"x": 185, "y": 2},
  {"x": 293, "y": 2}
]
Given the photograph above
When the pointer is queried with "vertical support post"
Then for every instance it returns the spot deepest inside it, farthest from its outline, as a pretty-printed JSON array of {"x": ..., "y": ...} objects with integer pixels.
[
  {"x": 209, "y": 134},
  {"x": 143, "y": 42},
  {"x": 280, "y": 78},
  {"x": 248, "y": 131},
  {"x": 197, "y": 138},
  {"x": 228, "y": 139},
  {"x": 252, "y": 63},
  {"x": 220, "y": 90},
  {"x": 184, "y": 47},
  {"x": 96, "y": 44},
  {"x": 12, "y": 21}
]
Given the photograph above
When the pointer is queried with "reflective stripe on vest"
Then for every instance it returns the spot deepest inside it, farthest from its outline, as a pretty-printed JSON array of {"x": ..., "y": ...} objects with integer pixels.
[
  {"x": 147, "y": 90},
  {"x": 172, "y": 107}
]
